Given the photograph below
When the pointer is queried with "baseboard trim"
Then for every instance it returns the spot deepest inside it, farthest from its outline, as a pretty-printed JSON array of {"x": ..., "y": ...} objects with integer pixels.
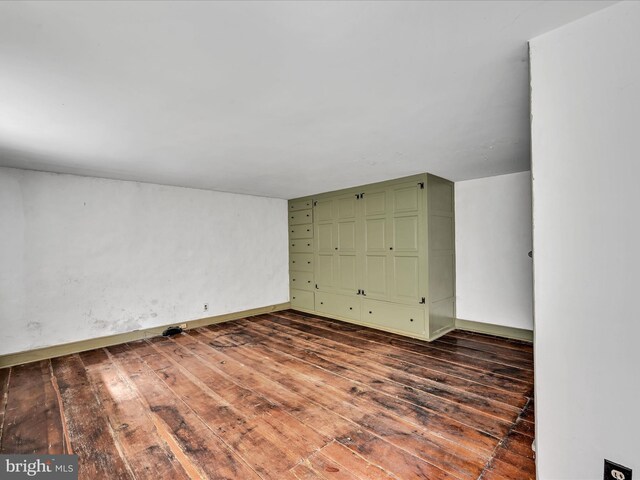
[
  {"x": 18, "y": 358},
  {"x": 497, "y": 330}
]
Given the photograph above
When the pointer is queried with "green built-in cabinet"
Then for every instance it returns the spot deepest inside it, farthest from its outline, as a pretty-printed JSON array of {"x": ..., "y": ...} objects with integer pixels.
[{"x": 380, "y": 255}]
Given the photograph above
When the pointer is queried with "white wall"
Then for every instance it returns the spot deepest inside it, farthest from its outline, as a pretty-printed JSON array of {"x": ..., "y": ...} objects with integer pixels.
[
  {"x": 82, "y": 257},
  {"x": 493, "y": 238},
  {"x": 586, "y": 214}
]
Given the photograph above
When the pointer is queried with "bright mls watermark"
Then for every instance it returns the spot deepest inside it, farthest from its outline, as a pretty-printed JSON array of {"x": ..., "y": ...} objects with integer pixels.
[{"x": 50, "y": 467}]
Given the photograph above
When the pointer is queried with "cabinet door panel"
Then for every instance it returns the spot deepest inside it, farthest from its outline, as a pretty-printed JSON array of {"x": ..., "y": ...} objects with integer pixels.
[
  {"x": 346, "y": 237},
  {"x": 324, "y": 210},
  {"x": 376, "y": 276},
  {"x": 347, "y": 273},
  {"x": 407, "y": 279},
  {"x": 375, "y": 203},
  {"x": 324, "y": 271},
  {"x": 406, "y": 199},
  {"x": 347, "y": 207},
  {"x": 405, "y": 232},
  {"x": 375, "y": 235},
  {"x": 324, "y": 237}
]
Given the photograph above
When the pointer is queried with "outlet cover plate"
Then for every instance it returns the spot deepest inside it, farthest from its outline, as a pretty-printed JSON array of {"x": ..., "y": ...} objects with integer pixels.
[{"x": 614, "y": 471}]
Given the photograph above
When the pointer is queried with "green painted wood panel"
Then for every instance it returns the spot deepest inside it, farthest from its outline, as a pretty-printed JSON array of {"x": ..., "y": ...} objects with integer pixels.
[
  {"x": 399, "y": 318},
  {"x": 301, "y": 204},
  {"x": 301, "y": 280},
  {"x": 441, "y": 241},
  {"x": 300, "y": 217},
  {"x": 301, "y": 245},
  {"x": 301, "y": 262},
  {"x": 300, "y": 231},
  {"x": 394, "y": 241},
  {"x": 302, "y": 299},
  {"x": 339, "y": 305}
]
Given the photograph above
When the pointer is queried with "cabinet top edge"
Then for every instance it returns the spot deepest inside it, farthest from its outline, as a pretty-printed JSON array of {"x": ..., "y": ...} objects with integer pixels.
[{"x": 356, "y": 189}]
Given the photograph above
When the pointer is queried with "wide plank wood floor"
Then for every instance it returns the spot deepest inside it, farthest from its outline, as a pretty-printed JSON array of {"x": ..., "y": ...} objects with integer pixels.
[{"x": 281, "y": 396}]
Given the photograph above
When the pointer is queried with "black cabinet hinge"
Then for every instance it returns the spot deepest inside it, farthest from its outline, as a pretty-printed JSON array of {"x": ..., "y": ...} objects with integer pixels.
[
  {"x": 421, "y": 185},
  {"x": 423, "y": 300},
  {"x": 315, "y": 202},
  {"x": 359, "y": 292},
  {"x": 359, "y": 195},
  {"x": 316, "y": 286}
]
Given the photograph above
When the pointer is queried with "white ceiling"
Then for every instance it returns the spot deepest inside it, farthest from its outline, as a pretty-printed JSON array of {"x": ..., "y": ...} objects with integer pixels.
[{"x": 280, "y": 99}]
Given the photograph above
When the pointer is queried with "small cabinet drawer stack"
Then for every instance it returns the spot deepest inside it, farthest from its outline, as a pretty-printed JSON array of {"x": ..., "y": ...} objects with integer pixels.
[{"x": 301, "y": 253}]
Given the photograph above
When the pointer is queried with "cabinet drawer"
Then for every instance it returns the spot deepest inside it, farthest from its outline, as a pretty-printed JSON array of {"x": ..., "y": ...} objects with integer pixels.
[
  {"x": 300, "y": 205},
  {"x": 340, "y": 305},
  {"x": 301, "y": 299},
  {"x": 301, "y": 261},
  {"x": 394, "y": 316},
  {"x": 301, "y": 280},
  {"x": 300, "y": 231},
  {"x": 301, "y": 216},
  {"x": 301, "y": 245}
]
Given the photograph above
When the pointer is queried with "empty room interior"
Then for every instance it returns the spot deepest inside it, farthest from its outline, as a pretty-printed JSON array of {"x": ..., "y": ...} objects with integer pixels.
[{"x": 319, "y": 240}]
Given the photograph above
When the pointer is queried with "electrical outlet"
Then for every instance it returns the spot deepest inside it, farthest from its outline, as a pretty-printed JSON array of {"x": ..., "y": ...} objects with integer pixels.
[
  {"x": 206, "y": 307},
  {"x": 183, "y": 326},
  {"x": 613, "y": 471}
]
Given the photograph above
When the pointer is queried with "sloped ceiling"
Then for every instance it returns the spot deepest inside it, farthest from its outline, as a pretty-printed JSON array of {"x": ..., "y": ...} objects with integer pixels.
[{"x": 281, "y": 99}]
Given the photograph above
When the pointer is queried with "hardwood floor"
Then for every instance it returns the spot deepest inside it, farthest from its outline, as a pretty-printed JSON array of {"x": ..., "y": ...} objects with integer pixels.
[{"x": 281, "y": 396}]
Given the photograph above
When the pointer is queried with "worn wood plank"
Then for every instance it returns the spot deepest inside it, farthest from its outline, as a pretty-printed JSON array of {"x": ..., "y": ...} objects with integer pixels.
[
  {"x": 438, "y": 399},
  {"x": 195, "y": 439},
  {"x": 382, "y": 357},
  {"x": 463, "y": 354},
  {"x": 419, "y": 354},
  {"x": 354, "y": 463},
  {"x": 511, "y": 465},
  {"x": 99, "y": 454},
  {"x": 348, "y": 400},
  {"x": 275, "y": 424},
  {"x": 410, "y": 360},
  {"x": 148, "y": 455},
  {"x": 327, "y": 468},
  {"x": 32, "y": 424},
  {"x": 5, "y": 375},
  {"x": 493, "y": 340},
  {"x": 487, "y": 399},
  {"x": 264, "y": 435},
  {"x": 284, "y": 396}
]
